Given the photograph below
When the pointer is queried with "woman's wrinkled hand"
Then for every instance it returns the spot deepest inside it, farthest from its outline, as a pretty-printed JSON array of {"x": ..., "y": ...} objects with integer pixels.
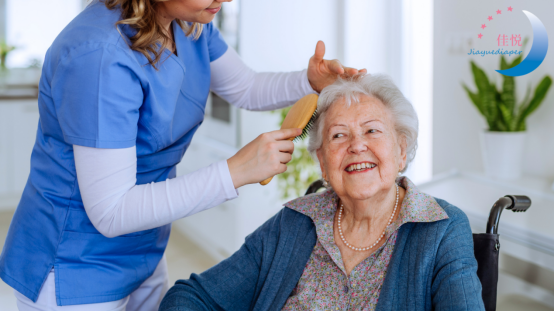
[
  {"x": 262, "y": 158},
  {"x": 322, "y": 73}
]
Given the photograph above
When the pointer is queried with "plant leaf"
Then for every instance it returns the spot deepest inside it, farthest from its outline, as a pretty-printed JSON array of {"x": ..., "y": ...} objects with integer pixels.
[
  {"x": 481, "y": 79},
  {"x": 521, "y": 108},
  {"x": 503, "y": 63},
  {"x": 498, "y": 101},
  {"x": 538, "y": 97},
  {"x": 500, "y": 126},
  {"x": 486, "y": 94},
  {"x": 508, "y": 95},
  {"x": 475, "y": 99},
  {"x": 490, "y": 100},
  {"x": 526, "y": 98},
  {"x": 522, "y": 126},
  {"x": 516, "y": 61},
  {"x": 507, "y": 116}
]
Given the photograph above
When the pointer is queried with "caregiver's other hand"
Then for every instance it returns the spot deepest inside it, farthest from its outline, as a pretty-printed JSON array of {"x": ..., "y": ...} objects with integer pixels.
[
  {"x": 262, "y": 158},
  {"x": 322, "y": 73}
]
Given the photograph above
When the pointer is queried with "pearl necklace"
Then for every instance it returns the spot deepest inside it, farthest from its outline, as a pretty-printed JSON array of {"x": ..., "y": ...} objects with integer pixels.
[{"x": 380, "y": 237}]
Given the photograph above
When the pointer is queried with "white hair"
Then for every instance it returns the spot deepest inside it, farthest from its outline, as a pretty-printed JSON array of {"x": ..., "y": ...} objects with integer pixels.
[{"x": 378, "y": 86}]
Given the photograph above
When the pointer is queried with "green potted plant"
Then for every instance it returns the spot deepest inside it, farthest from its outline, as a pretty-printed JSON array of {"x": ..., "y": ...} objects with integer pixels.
[
  {"x": 5, "y": 49},
  {"x": 502, "y": 143}
]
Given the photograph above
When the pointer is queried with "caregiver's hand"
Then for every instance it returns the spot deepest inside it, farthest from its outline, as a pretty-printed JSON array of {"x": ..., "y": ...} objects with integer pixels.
[
  {"x": 322, "y": 73},
  {"x": 262, "y": 158}
]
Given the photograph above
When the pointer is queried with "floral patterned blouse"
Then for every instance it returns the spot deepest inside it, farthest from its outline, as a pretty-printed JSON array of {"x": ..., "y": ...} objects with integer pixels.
[{"x": 324, "y": 284}]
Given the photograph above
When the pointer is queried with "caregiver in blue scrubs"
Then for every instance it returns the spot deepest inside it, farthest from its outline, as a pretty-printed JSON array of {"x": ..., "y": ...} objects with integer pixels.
[{"x": 123, "y": 90}]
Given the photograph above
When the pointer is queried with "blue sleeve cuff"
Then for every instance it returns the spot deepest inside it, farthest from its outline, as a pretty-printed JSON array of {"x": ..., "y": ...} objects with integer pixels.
[
  {"x": 99, "y": 144},
  {"x": 216, "y": 44},
  {"x": 218, "y": 52}
]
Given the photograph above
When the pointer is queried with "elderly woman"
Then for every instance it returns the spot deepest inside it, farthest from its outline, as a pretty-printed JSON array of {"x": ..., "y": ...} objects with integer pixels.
[{"x": 371, "y": 241}]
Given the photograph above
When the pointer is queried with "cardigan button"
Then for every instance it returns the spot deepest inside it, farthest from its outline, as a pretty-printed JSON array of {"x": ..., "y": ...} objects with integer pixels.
[{"x": 345, "y": 288}]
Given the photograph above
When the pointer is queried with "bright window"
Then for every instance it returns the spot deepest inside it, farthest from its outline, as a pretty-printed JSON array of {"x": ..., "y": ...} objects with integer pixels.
[
  {"x": 395, "y": 37},
  {"x": 417, "y": 76}
]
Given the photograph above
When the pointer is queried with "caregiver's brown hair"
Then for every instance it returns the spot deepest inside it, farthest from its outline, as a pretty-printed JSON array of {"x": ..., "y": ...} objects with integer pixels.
[{"x": 141, "y": 15}]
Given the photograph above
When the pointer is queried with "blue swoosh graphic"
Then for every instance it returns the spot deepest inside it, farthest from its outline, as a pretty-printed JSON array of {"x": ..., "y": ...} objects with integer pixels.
[{"x": 536, "y": 54}]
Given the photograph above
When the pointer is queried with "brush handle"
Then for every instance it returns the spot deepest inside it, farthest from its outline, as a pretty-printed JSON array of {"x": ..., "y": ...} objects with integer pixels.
[
  {"x": 298, "y": 117},
  {"x": 266, "y": 181}
]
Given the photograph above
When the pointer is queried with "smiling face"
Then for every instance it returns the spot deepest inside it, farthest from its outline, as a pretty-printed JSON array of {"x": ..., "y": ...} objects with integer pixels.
[
  {"x": 194, "y": 11},
  {"x": 361, "y": 136}
]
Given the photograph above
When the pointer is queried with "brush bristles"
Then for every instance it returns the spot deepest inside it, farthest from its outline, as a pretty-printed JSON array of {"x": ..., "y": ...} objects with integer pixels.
[{"x": 306, "y": 129}]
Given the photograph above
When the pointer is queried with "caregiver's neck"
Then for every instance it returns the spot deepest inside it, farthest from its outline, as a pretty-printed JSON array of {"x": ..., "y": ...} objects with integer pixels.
[{"x": 165, "y": 20}]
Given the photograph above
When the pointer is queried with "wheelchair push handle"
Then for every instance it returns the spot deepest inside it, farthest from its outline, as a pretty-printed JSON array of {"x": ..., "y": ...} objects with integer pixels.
[
  {"x": 521, "y": 203},
  {"x": 516, "y": 203}
]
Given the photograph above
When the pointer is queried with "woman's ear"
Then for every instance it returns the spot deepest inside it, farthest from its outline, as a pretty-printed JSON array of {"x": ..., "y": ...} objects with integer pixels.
[
  {"x": 320, "y": 160},
  {"x": 403, "y": 155}
]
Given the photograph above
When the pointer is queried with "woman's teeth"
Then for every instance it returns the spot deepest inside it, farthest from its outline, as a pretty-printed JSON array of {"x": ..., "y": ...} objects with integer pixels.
[{"x": 360, "y": 167}]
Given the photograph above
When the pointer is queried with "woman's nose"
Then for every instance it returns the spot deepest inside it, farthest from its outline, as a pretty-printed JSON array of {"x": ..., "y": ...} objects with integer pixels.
[{"x": 357, "y": 145}]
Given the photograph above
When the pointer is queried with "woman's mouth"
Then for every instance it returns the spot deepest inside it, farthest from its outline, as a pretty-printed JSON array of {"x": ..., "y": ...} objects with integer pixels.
[
  {"x": 214, "y": 10},
  {"x": 360, "y": 167}
]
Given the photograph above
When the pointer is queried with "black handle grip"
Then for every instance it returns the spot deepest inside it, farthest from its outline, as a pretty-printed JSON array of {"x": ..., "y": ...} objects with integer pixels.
[
  {"x": 516, "y": 203},
  {"x": 520, "y": 203}
]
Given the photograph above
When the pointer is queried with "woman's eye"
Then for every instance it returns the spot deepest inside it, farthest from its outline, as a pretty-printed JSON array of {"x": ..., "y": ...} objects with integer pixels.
[
  {"x": 338, "y": 135},
  {"x": 371, "y": 131}
]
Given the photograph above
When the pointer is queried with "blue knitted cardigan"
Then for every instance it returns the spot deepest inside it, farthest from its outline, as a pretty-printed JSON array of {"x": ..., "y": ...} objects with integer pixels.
[{"x": 433, "y": 267}]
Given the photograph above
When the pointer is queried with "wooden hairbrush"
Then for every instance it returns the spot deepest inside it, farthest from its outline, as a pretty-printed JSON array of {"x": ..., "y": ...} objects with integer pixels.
[{"x": 301, "y": 115}]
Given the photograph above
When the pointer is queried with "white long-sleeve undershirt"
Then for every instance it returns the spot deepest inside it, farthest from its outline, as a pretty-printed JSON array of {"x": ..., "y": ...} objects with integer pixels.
[
  {"x": 116, "y": 205},
  {"x": 239, "y": 85},
  {"x": 107, "y": 177}
]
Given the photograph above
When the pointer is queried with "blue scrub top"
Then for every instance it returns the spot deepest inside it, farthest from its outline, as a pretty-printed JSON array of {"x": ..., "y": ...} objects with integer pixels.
[{"x": 97, "y": 92}]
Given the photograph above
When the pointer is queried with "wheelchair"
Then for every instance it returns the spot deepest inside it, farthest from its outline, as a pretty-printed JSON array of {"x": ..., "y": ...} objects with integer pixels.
[{"x": 486, "y": 245}]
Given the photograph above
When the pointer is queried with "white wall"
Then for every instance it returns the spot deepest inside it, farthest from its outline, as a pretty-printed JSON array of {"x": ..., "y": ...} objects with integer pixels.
[
  {"x": 32, "y": 26},
  {"x": 371, "y": 40},
  {"x": 456, "y": 122},
  {"x": 281, "y": 35}
]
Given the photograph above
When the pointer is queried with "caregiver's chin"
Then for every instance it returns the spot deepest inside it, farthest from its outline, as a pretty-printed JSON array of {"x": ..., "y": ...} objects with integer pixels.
[{"x": 193, "y": 11}]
